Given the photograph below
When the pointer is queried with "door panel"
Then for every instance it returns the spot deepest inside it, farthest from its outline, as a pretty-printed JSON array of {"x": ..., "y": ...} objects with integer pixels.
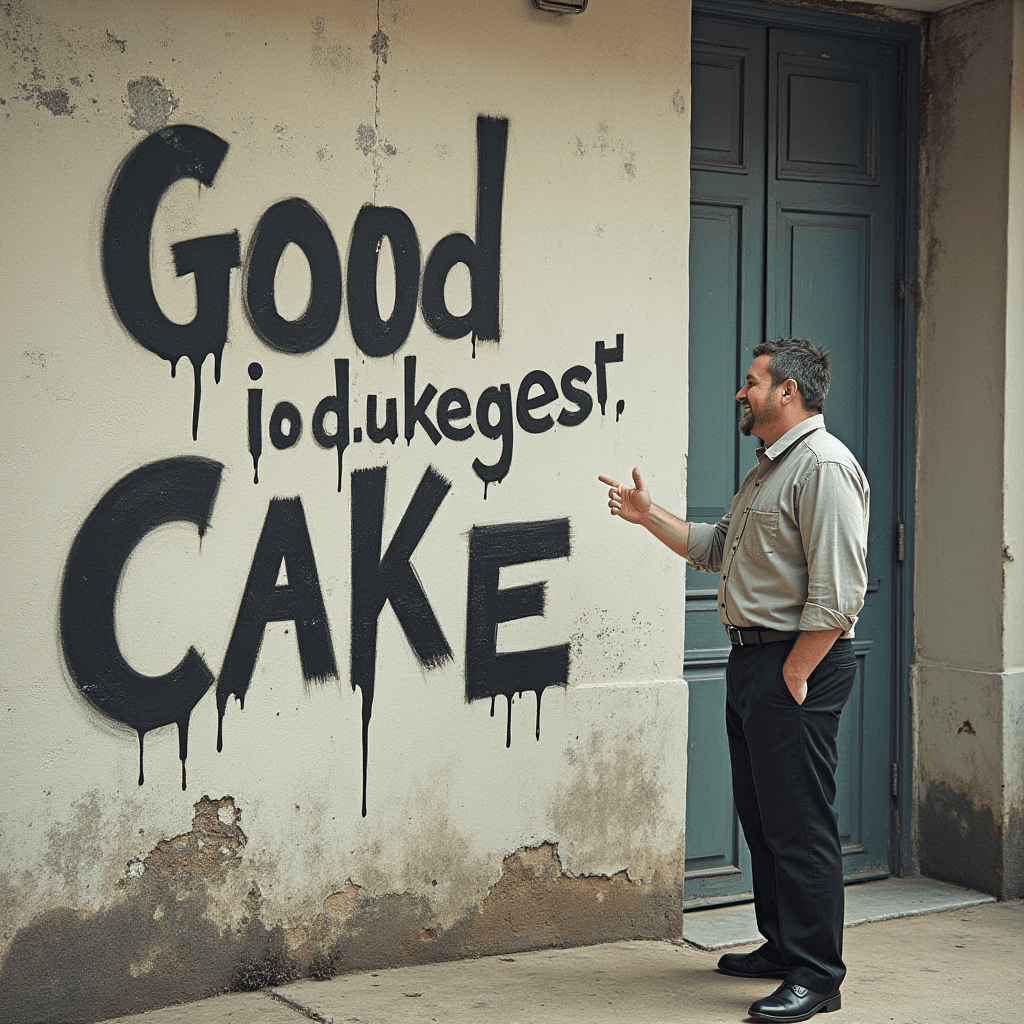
[
  {"x": 842, "y": 147},
  {"x": 822, "y": 262},
  {"x": 794, "y": 202}
]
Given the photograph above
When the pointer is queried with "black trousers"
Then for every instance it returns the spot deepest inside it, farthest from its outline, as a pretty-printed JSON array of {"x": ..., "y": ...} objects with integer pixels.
[{"x": 783, "y": 779}]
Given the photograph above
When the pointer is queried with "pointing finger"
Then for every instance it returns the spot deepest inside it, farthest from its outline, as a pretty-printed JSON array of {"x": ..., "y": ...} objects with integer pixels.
[{"x": 608, "y": 480}]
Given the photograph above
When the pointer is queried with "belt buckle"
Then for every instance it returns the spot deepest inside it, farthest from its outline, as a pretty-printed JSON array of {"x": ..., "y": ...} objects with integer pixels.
[{"x": 735, "y": 635}]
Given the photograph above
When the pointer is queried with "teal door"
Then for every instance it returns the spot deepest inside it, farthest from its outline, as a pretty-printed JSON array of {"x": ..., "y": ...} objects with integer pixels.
[{"x": 796, "y": 183}]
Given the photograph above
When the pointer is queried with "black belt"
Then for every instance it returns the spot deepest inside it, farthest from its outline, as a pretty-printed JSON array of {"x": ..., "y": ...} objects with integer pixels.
[{"x": 743, "y": 637}]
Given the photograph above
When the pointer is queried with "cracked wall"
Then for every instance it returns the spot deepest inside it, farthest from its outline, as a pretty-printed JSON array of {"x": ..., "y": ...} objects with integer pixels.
[{"x": 555, "y": 817}]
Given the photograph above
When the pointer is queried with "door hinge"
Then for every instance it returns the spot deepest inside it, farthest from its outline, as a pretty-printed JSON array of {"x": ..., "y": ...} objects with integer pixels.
[
  {"x": 894, "y": 773},
  {"x": 901, "y": 542}
]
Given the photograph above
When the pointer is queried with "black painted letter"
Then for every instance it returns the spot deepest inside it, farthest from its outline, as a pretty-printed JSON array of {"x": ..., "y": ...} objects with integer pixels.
[
  {"x": 372, "y": 335},
  {"x": 338, "y": 404},
  {"x": 376, "y": 580},
  {"x": 293, "y": 220},
  {"x": 482, "y": 257},
  {"x": 285, "y": 537},
  {"x": 489, "y": 673},
  {"x": 502, "y": 398},
  {"x": 601, "y": 357},
  {"x": 152, "y": 167},
  {"x": 174, "y": 490}
]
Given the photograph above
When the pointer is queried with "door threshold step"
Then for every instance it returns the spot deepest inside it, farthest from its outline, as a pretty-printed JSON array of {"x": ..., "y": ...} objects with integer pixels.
[{"x": 735, "y": 925}]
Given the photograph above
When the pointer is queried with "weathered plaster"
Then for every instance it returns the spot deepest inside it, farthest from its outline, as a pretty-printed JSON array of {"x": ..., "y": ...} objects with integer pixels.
[{"x": 968, "y": 596}]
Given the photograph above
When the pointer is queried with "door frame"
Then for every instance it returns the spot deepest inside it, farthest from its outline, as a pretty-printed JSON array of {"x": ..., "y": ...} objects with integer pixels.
[{"x": 906, "y": 37}]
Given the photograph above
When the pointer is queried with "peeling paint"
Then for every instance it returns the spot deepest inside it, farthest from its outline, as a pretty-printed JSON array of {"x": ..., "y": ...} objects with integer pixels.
[
  {"x": 215, "y": 839},
  {"x": 56, "y": 101},
  {"x": 342, "y": 902},
  {"x": 366, "y": 138},
  {"x": 152, "y": 104},
  {"x": 369, "y": 143},
  {"x": 380, "y": 45},
  {"x": 112, "y": 40},
  {"x": 327, "y": 56},
  {"x": 159, "y": 943},
  {"x": 603, "y": 144}
]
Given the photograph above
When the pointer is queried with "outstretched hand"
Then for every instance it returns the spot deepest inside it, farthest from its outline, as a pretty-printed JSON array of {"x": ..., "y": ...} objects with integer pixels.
[{"x": 630, "y": 503}]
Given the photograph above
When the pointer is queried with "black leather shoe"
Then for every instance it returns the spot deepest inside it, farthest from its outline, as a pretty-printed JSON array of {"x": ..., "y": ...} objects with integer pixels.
[
  {"x": 793, "y": 1003},
  {"x": 750, "y": 965}
]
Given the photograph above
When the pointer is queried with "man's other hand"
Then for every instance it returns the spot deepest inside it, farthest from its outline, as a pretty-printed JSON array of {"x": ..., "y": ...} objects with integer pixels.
[
  {"x": 795, "y": 683},
  {"x": 630, "y": 503}
]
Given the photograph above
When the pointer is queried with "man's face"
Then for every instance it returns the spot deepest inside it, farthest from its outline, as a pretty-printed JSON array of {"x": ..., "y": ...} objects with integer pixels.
[{"x": 757, "y": 398}]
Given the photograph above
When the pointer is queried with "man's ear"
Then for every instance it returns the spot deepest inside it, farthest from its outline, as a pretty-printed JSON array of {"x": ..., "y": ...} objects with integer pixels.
[{"x": 790, "y": 390}]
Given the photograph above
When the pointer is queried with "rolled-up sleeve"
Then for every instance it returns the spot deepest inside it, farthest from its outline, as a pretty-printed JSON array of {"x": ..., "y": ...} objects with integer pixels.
[
  {"x": 833, "y": 505},
  {"x": 705, "y": 545}
]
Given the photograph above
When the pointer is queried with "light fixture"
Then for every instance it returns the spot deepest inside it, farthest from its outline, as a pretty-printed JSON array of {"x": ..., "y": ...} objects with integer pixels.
[{"x": 561, "y": 6}]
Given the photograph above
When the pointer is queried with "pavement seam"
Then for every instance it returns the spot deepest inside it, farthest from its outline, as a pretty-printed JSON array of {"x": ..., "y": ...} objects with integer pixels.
[{"x": 298, "y": 1007}]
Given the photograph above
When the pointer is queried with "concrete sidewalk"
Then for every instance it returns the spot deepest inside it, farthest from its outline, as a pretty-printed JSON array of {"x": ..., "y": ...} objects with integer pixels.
[{"x": 959, "y": 967}]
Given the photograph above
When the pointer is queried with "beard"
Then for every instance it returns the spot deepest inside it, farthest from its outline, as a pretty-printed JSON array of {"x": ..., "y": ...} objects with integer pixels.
[{"x": 748, "y": 423}]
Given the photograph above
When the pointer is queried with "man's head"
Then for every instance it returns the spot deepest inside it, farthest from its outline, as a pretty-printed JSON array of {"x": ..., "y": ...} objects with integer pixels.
[{"x": 786, "y": 383}]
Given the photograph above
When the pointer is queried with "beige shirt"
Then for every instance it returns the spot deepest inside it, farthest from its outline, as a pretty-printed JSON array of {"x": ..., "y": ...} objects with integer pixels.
[{"x": 792, "y": 549}]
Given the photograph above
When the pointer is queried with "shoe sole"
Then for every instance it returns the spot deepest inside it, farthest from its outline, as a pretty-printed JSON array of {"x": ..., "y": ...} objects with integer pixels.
[
  {"x": 826, "y": 1007},
  {"x": 780, "y": 973}
]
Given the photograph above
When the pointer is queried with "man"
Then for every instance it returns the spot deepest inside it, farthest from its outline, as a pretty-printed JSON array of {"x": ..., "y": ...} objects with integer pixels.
[{"x": 792, "y": 557}]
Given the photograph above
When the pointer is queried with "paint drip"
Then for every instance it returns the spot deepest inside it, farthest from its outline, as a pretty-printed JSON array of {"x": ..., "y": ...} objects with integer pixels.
[{"x": 508, "y": 724}]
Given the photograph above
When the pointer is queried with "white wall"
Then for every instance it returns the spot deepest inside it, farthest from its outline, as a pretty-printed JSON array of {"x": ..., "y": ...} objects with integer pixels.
[{"x": 593, "y": 245}]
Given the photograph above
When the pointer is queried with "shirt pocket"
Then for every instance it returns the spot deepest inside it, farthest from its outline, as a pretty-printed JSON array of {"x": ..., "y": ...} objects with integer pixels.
[{"x": 760, "y": 533}]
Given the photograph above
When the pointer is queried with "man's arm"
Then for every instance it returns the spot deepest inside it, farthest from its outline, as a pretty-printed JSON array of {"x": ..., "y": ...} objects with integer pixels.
[
  {"x": 833, "y": 523},
  {"x": 635, "y": 506}
]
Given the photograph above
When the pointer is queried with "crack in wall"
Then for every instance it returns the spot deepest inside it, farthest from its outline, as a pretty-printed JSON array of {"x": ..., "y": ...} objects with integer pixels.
[{"x": 379, "y": 47}]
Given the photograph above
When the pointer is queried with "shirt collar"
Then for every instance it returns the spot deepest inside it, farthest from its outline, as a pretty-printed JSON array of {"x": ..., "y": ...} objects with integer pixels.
[{"x": 802, "y": 429}]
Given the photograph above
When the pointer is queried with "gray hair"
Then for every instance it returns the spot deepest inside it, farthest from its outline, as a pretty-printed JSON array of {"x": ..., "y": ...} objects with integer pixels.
[{"x": 799, "y": 360}]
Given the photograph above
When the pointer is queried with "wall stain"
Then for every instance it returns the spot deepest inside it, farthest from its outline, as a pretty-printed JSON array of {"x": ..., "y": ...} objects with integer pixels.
[
  {"x": 112, "y": 40},
  {"x": 947, "y": 48},
  {"x": 162, "y": 942},
  {"x": 156, "y": 942},
  {"x": 960, "y": 842},
  {"x": 615, "y": 800},
  {"x": 533, "y": 905},
  {"x": 152, "y": 104}
]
